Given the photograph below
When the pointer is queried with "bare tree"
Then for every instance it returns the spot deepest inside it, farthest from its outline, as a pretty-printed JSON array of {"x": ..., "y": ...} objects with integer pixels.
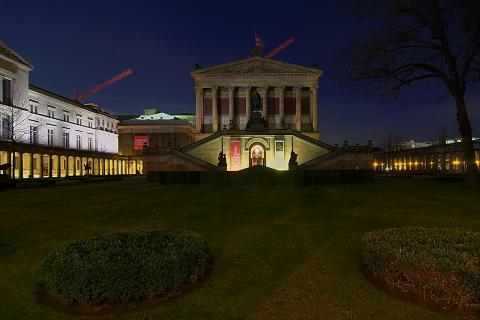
[
  {"x": 14, "y": 117},
  {"x": 391, "y": 143},
  {"x": 415, "y": 40}
]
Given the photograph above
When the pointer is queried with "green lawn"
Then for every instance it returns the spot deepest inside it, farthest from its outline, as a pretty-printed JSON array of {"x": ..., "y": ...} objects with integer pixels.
[{"x": 280, "y": 252}]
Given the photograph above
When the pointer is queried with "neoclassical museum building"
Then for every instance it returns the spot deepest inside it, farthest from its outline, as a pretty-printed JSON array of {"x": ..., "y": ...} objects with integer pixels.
[
  {"x": 256, "y": 111},
  {"x": 47, "y": 135}
]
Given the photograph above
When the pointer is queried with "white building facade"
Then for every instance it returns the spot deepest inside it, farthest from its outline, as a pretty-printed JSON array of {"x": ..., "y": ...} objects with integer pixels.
[{"x": 43, "y": 134}]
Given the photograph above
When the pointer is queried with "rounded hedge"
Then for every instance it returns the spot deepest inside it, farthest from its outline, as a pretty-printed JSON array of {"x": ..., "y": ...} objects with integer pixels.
[
  {"x": 126, "y": 266},
  {"x": 437, "y": 265}
]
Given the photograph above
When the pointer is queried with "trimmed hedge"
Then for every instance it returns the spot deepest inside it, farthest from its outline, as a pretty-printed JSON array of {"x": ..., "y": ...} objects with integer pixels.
[
  {"x": 436, "y": 265},
  {"x": 126, "y": 266},
  {"x": 259, "y": 177}
]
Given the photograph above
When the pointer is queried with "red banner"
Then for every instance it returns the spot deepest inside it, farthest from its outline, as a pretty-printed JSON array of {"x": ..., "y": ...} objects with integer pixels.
[
  {"x": 235, "y": 155},
  {"x": 140, "y": 141}
]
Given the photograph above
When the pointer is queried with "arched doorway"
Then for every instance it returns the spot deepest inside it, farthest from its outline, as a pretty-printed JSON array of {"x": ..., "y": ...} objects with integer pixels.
[{"x": 257, "y": 155}]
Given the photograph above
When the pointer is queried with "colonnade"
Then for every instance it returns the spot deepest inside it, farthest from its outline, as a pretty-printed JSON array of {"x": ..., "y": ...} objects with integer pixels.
[
  {"x": 263, "y": 91},
  {"x": 39, "y": 165},
  {"x": 452, "y": 162}
]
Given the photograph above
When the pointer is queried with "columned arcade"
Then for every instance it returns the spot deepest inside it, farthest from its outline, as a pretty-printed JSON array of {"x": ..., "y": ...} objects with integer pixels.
[{"x": 33, "y": 162}]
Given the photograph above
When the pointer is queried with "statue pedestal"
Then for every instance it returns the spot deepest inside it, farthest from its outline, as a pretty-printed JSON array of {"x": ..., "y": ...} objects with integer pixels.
[{"x": 256, "y": 123}]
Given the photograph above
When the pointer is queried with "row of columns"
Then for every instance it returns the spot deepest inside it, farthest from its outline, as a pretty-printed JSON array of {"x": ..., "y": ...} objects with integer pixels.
[
  {"x": 199, "y": 92},
  {"x": 98, "y": 166}
]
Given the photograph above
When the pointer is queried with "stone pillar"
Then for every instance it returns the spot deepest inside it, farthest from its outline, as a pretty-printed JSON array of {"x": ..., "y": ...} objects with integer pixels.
[
  {"x": 313, "y": 108},
  {"x": 264, "y": 103},
  {"x": 41, "y": 166},
  {"x": 281, "y": 106},
  {"x": 59, "y": 169},
  {"x": 248, "y": 101},
  {"x": 30, "y": 173},
  {"x": 298, "y": 108},
  {"x": 20, "y": 165},
  {"x": 214, "y": 109},
  {"x": 198, "y": 108},
  {"x": 74, "y": 166},
  {"x": 50, "y": 166},
  {"x": 231, "y": 96},
  {"x": 67, "y": 164},
  {"x": 9, "y": 160}
]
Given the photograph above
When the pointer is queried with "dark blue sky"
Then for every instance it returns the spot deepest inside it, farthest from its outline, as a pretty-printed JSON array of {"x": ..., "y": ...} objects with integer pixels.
[{"x": 82, "y": 43}]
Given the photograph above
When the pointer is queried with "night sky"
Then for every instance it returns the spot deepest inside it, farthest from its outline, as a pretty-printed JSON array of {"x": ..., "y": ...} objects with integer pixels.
[{"x": 82, "y": 43}]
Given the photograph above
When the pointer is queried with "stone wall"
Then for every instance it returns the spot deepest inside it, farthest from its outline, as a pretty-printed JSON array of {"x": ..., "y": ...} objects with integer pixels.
[
  {"x": 343, "y": 159},
  {"x": 171, "y": 161}
]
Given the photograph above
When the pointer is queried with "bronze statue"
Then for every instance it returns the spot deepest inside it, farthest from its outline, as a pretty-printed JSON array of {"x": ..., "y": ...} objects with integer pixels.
[
  {"x": 292, "y": 163},
  {"x": 256, "y": 102},
  {"x": 222, "y": 159}
]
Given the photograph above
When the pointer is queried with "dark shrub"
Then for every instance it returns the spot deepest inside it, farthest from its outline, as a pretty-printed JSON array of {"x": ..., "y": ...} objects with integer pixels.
[
  {"x": 126, "y": 266},
  {"x": 260, "y": 176},
  {"x": 437, "y": 265}
]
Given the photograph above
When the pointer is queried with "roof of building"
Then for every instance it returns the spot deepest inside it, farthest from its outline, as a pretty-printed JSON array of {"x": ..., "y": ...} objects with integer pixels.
[
  {"x": 155, "y": 116},
  {"x": 90, "y": 107},
  {"x": 256, "y": 65},
  {"x": 174, "y": 122},
  {"x": 8, "y": 52}
]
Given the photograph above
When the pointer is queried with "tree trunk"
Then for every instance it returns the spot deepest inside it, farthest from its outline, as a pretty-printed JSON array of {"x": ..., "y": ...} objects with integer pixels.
[{"x": 473, "y": 176}]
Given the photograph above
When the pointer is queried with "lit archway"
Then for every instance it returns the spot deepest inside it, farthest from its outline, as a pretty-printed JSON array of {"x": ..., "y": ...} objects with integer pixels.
[{"x": 257, "y": 155}]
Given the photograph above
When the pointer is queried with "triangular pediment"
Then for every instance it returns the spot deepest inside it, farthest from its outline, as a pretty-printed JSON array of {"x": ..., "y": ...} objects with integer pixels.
[{"x": 256, "y": 66}]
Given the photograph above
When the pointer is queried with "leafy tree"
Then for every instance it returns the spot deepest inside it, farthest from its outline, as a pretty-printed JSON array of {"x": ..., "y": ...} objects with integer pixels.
[{"x": 416, "y": 40}]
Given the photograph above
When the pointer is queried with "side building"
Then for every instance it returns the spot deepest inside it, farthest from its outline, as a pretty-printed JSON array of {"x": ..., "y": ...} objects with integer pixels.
[
  {"x": 43, "y": 134},
  {"x": 154, "y": 130},
  {"x": 436, "y": 158}
]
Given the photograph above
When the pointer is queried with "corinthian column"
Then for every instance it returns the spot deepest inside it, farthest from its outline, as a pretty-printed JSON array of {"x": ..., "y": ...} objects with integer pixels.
[
  {"x": 281, "y": 106},
  {"x": 231, "y": 92},
  {"x": 214, "y": 110},
  {"x": 314, "y": 106},
  {"x": 298, "y": 108},
  {"x": 264, "y": 102},
  {"x": 198, "y": 108},
  {"x": 248, "y": 101}
]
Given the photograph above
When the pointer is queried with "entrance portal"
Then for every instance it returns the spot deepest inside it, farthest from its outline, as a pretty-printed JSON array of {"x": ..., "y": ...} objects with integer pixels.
[{"x": 257, "y": 155}]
